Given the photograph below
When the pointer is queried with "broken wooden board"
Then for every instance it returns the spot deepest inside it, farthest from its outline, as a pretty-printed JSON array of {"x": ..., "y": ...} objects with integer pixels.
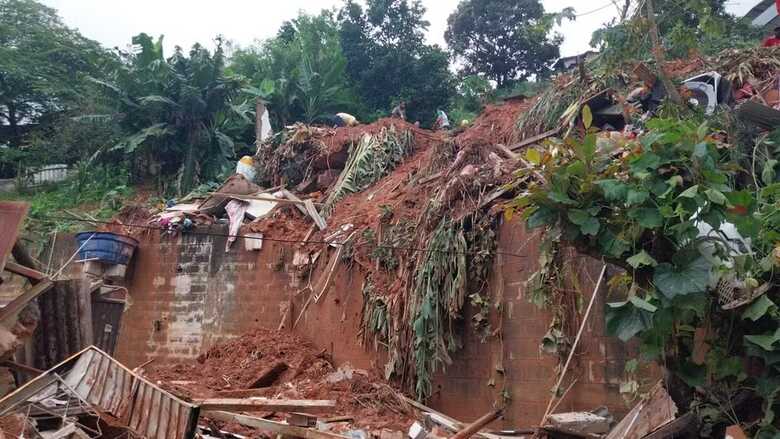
[
  {"x": 21, "y": 270},
  {"x": 13, "y": 308},
  {"x": 649, "y": 415},
  {"x": 272, "y": 426},
  {"x": 263, "y": 404}
]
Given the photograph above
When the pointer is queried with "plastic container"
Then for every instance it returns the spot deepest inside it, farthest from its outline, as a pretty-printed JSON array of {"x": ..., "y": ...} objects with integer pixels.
[{"x": 106, "y": 247}]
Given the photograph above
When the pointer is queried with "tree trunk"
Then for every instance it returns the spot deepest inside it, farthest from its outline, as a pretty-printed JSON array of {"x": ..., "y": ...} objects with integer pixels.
[
  {"x": 14, "y": 124},
  {"x": 660, "y": 58}
]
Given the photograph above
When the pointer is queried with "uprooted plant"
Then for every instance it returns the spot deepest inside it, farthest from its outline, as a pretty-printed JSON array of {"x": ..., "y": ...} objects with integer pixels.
[{"x": 700, "y": 252}]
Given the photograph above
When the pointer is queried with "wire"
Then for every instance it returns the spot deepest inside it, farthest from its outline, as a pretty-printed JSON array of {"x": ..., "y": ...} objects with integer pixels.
[
  {"x": 283, "y": 241},
  {"x": 595, "y": 10}
]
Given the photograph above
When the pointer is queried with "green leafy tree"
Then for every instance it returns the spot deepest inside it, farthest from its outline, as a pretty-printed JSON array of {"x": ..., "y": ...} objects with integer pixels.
[
  {"x": 179, "y": 111},
  {"x": 302, "y": 69},
  {"x": 388, "y": 60},
  {"x": 43, "y": 64},
  {"x": 504, "y": 40},
  {"x": 698, "y": 25}
]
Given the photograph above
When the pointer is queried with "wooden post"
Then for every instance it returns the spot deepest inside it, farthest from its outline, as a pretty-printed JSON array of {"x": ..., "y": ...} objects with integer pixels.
[
  {"x": 85, "y": 309},
  {"x": 479, "y": 424}
]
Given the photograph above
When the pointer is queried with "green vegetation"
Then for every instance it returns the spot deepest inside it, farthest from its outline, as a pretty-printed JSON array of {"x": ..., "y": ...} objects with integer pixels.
[
  {"x": 94, "y": 192},
  {"x": 646, "y": 210}
]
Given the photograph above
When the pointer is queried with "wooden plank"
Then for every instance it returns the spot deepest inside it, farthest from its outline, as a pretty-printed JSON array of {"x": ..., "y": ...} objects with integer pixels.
[
  {"x": 479, "y": 424},
  {"x": 27, "y": 272},
  {"x": 318, "y": 219},
  {"x": 272, "y": 426},
  {"x": 535, "y": 139},
  {"x": 683, "y": 424},
  {"x": 262, "y": 404},
  {"x": 31, "y": 371},
  {"x": 18, "y": 304}
]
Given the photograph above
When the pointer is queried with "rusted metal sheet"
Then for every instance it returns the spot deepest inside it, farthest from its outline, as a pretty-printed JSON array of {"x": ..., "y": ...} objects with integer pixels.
[
  {"x": 93, "y": 377},
  {"x": 11, "y": 216}
]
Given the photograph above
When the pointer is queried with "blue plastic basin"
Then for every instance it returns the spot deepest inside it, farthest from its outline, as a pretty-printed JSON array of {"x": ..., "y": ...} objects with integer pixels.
[{"x": 106, "y": 247}]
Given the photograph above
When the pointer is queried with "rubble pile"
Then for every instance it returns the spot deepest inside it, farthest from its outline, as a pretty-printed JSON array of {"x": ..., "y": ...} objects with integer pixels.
[{"x": 300, "y": 372}]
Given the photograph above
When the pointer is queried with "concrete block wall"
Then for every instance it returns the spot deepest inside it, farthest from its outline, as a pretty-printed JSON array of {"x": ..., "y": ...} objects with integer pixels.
[{"x": 188, "y": 294}]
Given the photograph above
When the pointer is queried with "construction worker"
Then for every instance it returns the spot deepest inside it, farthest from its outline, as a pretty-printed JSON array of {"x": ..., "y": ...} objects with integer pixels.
[
  {"x": 442, "y": 121},
  {"x": 399, "y": 111},
  {"x": 774, "y": 40}
]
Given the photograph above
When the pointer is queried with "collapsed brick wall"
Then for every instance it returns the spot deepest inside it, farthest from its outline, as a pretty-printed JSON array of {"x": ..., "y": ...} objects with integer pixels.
[{"x": 188, "y": 294}]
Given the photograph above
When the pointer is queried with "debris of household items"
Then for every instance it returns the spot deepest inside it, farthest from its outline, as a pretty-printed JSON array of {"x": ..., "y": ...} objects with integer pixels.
[
  {"x": 278, "y": 374},
  {"x": 95, "y": 395},
  {"x": 246, "y": 167},
  {"x": 708, "y": 91}
]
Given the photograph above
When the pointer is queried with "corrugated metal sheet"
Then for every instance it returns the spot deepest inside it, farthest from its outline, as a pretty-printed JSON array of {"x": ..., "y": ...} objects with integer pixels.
[
  {"x": 11, "y": 216},
  {"x": 97, "y": 379}
]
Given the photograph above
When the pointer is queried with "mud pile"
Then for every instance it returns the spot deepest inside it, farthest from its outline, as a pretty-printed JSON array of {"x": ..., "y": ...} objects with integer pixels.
[{"x": 230, "y": 369}]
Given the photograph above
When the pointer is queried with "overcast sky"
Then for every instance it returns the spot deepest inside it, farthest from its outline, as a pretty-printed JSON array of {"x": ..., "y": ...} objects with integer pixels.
[{"x": 184, "y": 22}]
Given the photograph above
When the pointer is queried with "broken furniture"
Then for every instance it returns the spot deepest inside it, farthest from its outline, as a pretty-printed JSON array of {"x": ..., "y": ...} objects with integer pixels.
[{"x": 95, "y": 389}]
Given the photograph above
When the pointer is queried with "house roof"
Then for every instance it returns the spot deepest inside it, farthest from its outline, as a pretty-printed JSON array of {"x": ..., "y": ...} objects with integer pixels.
[{"x": 764, "y": 14}]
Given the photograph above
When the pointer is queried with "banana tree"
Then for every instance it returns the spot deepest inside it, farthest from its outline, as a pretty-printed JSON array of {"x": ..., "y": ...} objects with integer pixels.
[{"x": 179, "y": 111}]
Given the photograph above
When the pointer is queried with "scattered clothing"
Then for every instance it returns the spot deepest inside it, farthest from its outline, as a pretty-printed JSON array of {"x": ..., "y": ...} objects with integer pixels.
[
  {"x": 771, "y": 42},
  {"x": 348, "y": 119}
]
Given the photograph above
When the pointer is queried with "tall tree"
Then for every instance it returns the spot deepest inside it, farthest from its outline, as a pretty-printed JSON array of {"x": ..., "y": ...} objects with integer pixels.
[
  {"x": 43, "y": 63},
  {"x": 389, "y": 61},
  {"x": 504, "y": 40}
]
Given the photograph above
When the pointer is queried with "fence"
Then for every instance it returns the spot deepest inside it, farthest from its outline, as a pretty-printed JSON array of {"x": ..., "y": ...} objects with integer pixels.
[{"x": 34, "y": 177}]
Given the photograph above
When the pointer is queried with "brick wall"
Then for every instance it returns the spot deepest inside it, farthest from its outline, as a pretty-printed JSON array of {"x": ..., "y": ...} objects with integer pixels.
[{"x": 188, "y": 294}]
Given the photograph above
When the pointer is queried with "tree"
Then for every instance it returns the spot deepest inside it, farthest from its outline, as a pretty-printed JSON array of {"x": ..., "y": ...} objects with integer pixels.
[
  {"x": 43, "y": 64},
  {"x": 306, "y": 67},
  {"x": 702, "y": 26},
  {"x": 179, "y": 111},
  {"x": 504, "y": 40},
  {"x": 388, "y": 60}
]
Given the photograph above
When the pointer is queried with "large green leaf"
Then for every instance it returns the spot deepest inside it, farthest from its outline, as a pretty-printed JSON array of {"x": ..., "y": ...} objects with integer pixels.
[
  {"x": 625, "y": 320},
  {"x": 759, "y": 308},
  {"x": 673, "y": 281},
  {"x": 614, "y": 190},
  {"x": 641, "y": 259},
  {"x": 765, "y": 341},
  {"x": 637, "y": 196},
  {"x": 649, "y": 218}
]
